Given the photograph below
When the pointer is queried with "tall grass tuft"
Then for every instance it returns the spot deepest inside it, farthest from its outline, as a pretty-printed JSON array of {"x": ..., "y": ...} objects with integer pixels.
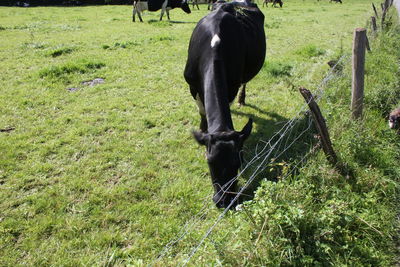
[
  {"x": 277, "y": 69},
  {"x": 310, "y": 51},
  {"x": 69, "y": 68}
]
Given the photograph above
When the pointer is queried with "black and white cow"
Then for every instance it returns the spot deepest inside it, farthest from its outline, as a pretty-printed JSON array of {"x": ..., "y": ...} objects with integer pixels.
[
  {"x": 226, "y": 50},
  {"x": 274, "y": 2},
  {"x": 155, "y": 5}
]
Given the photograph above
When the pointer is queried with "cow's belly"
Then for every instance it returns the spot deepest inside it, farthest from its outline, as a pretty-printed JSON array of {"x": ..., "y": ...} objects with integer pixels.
[{"x": 141, "y": 6}]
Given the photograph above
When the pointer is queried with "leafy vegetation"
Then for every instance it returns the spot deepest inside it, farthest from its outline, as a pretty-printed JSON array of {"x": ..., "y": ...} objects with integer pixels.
[
  {"x": 109, "y": 174},
  {"x": 310, "y": 51},
  {"x": 68, "y": 68},
  {"x": 277, "y": 69}
]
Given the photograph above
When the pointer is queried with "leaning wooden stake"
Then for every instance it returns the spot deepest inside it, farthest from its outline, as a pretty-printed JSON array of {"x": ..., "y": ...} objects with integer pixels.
[
  {"x": 375, "y": 11},
  {"x": 321, "y": 126},
  {"x": 374, "y": 27},
  {"x": 357, "y": 86}
]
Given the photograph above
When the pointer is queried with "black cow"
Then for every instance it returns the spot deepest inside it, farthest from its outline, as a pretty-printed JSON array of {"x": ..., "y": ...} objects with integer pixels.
[
  {"x": 155, "y": 5},
  {"x": 226, "y": 50}
]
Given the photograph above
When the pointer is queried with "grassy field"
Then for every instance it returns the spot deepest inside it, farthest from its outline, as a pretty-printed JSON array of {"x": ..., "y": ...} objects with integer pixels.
[{"x": 109, "y": 174}]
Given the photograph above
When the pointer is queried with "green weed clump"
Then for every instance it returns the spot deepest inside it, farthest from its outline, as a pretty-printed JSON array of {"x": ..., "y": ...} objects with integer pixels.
[
  {"x": 310, "y": 51},
  {"x": 277, "y": 69},
  {"x": 61, "y": 51},
  {"x": 379, "y": 69},
  {"x": 69, "y": 68}
]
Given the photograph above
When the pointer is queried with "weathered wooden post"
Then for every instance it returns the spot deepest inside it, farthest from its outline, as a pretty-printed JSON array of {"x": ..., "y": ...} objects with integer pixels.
[
  {"x": 321, "y": 126},
  {"x": 358, "y": 62},
  {"x": 374, "y": 27}
]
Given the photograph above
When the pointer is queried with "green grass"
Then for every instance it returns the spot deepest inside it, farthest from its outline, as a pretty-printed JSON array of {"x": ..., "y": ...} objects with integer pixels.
[{"x": 109, "y": 174}]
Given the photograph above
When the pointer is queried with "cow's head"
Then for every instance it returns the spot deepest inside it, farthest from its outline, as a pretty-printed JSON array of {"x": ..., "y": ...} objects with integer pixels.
[
  {"x": 224, "y": 156},
  {"x": 185, "y": 6}
]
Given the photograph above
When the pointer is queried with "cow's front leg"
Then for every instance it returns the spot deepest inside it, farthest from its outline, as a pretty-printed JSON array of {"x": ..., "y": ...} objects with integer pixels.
[
  {"x": 242, "y": 96},
  {"x": 203, "y": 123},
  {"x": 168, "y": 15},
  {"x": 134, "y": 12}
]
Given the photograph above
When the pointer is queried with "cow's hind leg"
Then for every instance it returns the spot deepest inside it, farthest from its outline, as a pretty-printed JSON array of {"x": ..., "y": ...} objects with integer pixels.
[
  {"x": 209, "y": 4},
  {"x": 140, "y": 16},
  {"x": 242, "y": 96},
  {"x": 194, "y": 3}
]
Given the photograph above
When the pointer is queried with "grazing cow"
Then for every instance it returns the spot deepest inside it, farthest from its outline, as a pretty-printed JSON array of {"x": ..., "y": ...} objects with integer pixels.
[
  {"x": 226, "y": 50},
  {"x": 274, "y": 2},
  {"x": 154, "y": 5}
]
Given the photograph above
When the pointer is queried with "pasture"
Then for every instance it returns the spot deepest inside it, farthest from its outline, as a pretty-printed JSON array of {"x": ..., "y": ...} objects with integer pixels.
[{"x": 109, "y": 174}]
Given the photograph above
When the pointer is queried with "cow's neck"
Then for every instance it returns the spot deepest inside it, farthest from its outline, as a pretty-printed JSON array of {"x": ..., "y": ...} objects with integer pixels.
[{"x": 216, "y": 100}]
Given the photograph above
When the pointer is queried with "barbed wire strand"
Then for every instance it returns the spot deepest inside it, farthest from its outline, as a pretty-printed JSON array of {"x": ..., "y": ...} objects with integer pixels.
[{"x": 260, "y": 155}]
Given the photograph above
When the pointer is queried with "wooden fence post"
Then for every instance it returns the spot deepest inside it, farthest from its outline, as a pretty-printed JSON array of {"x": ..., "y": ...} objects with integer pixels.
[
  {"x": 321, "y": 126},
  {"x": 358, "y": 62},
  {"x": 374, "y": 27}
]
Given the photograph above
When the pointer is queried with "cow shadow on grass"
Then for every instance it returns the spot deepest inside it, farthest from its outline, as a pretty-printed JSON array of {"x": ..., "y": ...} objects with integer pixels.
[
  {"x": 182, "y": 22},
  {"x": 279, "y": 144},
  {"x": 166, "y": 22}
]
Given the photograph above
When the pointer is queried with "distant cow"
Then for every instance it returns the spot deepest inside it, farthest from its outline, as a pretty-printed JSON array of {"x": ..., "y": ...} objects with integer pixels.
[
  {"x": 337, "y": 1},
  {"x": 155, "y": 5},
  {"x": 274, "y": 2},
  {"x": 226, "y": 50}
]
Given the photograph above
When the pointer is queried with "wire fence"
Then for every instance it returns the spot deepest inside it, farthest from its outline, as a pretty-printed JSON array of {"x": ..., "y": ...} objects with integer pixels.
[{"x": 265, "y": 153}]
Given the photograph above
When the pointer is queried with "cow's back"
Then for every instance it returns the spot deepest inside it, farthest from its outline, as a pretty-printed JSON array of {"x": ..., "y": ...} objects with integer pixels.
[
  {"x": 233, "y": 34},
  {"x": 155, "y": 5}
]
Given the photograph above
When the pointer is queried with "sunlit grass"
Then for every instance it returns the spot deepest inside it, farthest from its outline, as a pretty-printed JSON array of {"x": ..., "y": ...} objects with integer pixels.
[{"x": 109, "y": 173}]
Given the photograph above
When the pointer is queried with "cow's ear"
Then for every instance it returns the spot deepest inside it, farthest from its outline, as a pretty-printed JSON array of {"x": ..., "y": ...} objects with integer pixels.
[
  {"x": 201, "y": 137},
  {"x": 245, "y": 133}
]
